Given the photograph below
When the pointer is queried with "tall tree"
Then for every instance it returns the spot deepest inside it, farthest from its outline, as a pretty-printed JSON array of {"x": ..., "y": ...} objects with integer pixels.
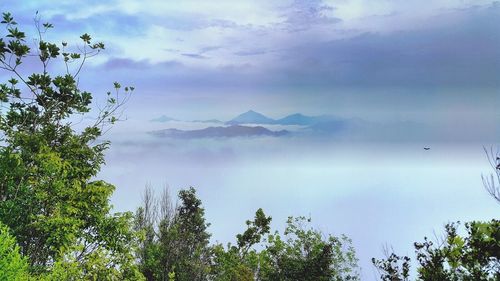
[
  {"x": 475, "y": 256},
  {"x": 49, "y": 198},
  {"x": 184, "y": 241},
  {"x": 303, "y": 254},
  {"x": 242, "y": 262},
  {"x": 306, "y": 255},
  {"x": 146, "y": 224},
  {"x": 174, "y": 240}
]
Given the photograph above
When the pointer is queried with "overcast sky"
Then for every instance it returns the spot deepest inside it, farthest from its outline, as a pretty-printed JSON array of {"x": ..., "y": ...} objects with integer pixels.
[{"x": 372, "y": 59}]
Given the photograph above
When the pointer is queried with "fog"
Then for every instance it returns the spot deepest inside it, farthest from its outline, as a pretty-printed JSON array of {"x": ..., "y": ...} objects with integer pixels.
[{"x": 377, "y": 193}]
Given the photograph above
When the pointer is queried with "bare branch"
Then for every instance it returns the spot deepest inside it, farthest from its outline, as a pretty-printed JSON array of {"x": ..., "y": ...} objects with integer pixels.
[{"x": 491, "y": 182}]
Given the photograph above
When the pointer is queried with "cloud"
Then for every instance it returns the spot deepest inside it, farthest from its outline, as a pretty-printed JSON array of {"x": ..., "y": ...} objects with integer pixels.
[
  {"x": 326, "y": 55},
  {"x": 195, "y": 56},
  {"x": 303, "y": 15},
  {"x": 463, "y": 54},
  {"x": 251, "y": 52},
  {"x": 209, "y": 49},
  {"x": 190, "y": 22},
  {"x": 123, "y": 63}
]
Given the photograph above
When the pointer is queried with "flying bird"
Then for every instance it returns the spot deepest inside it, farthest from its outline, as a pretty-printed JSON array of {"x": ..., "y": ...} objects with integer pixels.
[{"x": 427, "y": 148}]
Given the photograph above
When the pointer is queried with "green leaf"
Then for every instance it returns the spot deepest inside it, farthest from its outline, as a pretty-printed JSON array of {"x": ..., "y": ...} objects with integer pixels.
[{"x": 86, "y": 38}]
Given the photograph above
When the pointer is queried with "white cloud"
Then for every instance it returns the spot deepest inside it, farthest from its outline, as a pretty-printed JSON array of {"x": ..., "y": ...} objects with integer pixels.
[{"x": 388, "y": 15}]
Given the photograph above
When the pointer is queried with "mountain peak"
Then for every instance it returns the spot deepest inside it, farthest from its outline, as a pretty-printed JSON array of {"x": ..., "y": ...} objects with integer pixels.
[
  {"x": 297, "y": 119},
  {"x": 251, "y": 117},
  {"x": 163, "y": 119},
  {"x": 252, "y": 113}
]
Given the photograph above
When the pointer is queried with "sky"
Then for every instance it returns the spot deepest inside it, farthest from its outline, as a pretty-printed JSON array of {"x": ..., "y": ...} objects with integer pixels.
[
  {"x": 414, "y": 73},
  {"x": 381, "y": 59}
]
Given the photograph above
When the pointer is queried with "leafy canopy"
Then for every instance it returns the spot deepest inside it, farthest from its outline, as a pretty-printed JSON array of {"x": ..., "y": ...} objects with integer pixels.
[
  {"x": 49, "y": 197},
  {"x": 475, "y": 256}
]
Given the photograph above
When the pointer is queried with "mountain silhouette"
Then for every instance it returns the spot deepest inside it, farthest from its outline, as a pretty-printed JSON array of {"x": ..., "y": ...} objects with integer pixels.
[
  {"x": 301, "y": 119},
  {"x": 251, "y": 117},
  {"x": 296, "y": 119},
  {"x": 218, "y": 132},
  {"x": 163, "y": 119}
]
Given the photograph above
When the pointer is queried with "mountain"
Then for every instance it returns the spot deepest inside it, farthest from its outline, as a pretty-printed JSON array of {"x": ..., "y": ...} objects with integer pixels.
[
  {"x": 163, "y": 119},
  {"x": 300, "y": 119},
  {"x": 208, "y": 121},
  {"x": 251, "y": 117},
  {"x": 219, "y": 132}
]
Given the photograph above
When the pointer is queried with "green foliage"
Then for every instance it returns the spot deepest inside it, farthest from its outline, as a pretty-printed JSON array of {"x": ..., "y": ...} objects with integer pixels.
[
  {"x": 186, "y": 240},
  {"x": 475, "y": 256},
  {"x": 63, "y": 270},
  {"x": 255, "y": 230},
  {"x": 148, "y": 252},
  {"x": 171, "y": 276},
  {"x": 176, "y": 244},
  {"x": 12, "y": 265},
  {"x": 394, "y": 268},
  {"x": 228, "y": 265},
  {"x": 306, "y": 255},
  {"x": 49, "y": 198},
  {"x": 241, "y": 262},
  {"x": 303, "y": 255}
]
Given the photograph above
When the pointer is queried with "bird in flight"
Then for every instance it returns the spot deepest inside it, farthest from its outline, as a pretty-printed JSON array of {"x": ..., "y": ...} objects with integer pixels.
[{"x": 427, "y": 148}]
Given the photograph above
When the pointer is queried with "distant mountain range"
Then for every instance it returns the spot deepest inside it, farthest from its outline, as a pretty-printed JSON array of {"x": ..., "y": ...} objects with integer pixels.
[
  {"x": 218, "y": 132},
  {"x": 163, "y": 119},
  {"x": 252, "y": 123},
  {"x": 253, "y": 117}
]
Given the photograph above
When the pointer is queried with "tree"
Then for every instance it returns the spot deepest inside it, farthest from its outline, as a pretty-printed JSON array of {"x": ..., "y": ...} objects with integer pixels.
[
  {"x": 306, "y": 255},
  {"x": 175, "y": 246},
  {"x": 12, "y": 265},
  {"x": 48, "y": 196},
  {"x": 174, "y": 242},
  {"x": 492, "y": 182},
  {"x": 241, "y": 262},
  {"x": 303, "y": 255},
  {"x": 146, "y": 224},
  {"x": 184, "y": 240},
  {"x": 229, "y": 265},
  {"x": 393, "y": 268},
  {"x": 256, "y": 229},
  {"x": 473, "y": 257}
]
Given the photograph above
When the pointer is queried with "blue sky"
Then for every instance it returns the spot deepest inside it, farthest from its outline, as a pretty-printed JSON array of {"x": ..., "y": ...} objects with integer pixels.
[{"x": 419, "y": 73}]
